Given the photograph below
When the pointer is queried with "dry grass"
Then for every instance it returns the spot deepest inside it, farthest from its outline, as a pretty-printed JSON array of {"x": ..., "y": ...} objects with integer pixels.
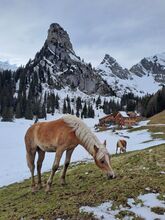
[{"x": 158, "y": 118}]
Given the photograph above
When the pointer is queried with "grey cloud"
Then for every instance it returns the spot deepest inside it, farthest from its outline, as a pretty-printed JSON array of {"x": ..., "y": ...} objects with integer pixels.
[{"x": 128, "y": 30}]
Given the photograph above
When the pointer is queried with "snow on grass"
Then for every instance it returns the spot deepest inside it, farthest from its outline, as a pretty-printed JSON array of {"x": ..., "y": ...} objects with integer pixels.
[
  {"x": 142, "y": 209},
  {"x": 13, "y": 165}
]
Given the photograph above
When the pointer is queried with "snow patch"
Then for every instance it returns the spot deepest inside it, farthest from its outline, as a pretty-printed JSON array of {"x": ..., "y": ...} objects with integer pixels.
[{"x": 143, "y": 209}]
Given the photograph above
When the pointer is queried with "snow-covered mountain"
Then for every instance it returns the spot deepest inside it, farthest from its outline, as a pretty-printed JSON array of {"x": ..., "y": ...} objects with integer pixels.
[
  {"x": 154, "y": 65},
  {"x": 5, "y": 65},
  {"x": 145, "y": 77},
  {"x": 56, "y": 66}
]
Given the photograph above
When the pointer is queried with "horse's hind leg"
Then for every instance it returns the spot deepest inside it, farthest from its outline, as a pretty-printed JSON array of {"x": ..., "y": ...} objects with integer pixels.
[
  {"x": 41, "y": 156},
  {"x": 66, "y": 164},
  {"x": 116, "y": 149},
  {"x": 30, "y": 156}
]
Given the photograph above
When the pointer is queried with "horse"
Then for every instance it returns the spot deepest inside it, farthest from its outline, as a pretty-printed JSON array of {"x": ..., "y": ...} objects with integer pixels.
[
  {"x": 121, "y": 144},
  {"x": 61, "y": 135}
]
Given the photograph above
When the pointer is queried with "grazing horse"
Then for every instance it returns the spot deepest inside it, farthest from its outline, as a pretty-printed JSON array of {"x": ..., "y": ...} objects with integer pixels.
[
  {"x": 121, "y": 144},
  {"x": 62, "y": 135}
]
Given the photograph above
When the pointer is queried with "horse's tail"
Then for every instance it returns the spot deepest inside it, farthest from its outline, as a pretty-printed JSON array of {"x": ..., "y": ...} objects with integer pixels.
[{"x": 30, "y": 147}]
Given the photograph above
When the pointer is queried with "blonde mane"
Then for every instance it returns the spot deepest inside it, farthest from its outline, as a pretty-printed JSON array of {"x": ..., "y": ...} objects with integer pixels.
[{"x": 84, "y": 133}]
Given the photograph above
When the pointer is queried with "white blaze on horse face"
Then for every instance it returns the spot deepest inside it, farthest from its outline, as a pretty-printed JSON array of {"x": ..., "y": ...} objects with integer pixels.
[{"x": 102, "y": 159}]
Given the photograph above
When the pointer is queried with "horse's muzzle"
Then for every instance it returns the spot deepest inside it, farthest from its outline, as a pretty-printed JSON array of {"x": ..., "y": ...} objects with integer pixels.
[{"x": 111, "y": 176}]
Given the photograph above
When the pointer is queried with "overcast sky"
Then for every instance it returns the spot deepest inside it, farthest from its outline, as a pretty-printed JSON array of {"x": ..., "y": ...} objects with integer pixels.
[{"x": 128, "y": 30}]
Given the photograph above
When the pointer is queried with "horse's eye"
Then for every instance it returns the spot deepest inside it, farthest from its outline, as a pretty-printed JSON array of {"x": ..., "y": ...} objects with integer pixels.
[{"x": 102, "y": 161}]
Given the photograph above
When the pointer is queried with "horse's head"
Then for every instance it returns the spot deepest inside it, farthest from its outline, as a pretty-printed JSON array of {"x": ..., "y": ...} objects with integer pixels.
[
  {"x": 124, "y": 144},
  {"x": 103, "y": 161},
  {"x": 123, "y": 149}
]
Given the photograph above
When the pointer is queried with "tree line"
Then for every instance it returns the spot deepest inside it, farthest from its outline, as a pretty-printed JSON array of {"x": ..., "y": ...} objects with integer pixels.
[{"x": 22, "y": 95}]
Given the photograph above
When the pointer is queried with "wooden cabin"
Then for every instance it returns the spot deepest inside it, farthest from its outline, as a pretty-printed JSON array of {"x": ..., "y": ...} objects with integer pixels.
[
  {"x": 107, "y": 120},
  {"x": 123, "y": 119},
  {"x": 120, "y": 118},
  {"x": 137, "y": 117}
]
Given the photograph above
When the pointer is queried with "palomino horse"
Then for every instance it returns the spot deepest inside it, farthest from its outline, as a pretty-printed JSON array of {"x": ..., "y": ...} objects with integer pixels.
[
  {"x": 62, "y": 135},
  {"x": 121, "y": 144}
]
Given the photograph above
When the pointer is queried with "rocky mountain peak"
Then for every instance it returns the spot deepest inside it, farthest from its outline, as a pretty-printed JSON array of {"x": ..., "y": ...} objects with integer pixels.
[
  {"x": 108, "y": 59},
  {"x": 59, "y": 67},
  {"x": 109, "y": 64},
  {"x": 154, "y": 65},
  {"x": 57, "y": 35}
]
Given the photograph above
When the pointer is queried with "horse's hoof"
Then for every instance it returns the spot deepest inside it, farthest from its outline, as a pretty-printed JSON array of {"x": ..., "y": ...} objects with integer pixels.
[
  {"x": 63, "y": 183},
  {"x": 47, "y": 190},
  {"x": 33, "y": 190},
  {"x": 39, "y": 186}
]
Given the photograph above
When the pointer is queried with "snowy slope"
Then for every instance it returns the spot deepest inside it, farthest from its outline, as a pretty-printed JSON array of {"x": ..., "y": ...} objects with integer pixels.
[
  {"x": 13, "y": 165},
  {"x": 146, "y": 77}
]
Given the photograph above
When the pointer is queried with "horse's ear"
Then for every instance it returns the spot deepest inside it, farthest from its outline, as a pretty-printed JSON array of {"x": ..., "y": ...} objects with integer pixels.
[
  {"x": 105, "y": 143},
  {"x": 96, "y": 149}
]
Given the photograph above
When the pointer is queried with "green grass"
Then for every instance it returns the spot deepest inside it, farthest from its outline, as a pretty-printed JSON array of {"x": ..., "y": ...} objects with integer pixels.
[
  {"x": 87, "y": 185},
  {"x": 158, "y": 210}
]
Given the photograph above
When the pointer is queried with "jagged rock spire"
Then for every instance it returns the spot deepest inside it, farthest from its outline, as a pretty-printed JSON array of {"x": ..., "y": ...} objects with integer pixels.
[{"x": 56, "y": 34}]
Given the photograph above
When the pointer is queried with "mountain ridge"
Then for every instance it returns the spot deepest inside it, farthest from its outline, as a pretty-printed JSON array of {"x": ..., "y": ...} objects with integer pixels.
[
  {"x": 145, "y": 77},
  {"x": 5, "y": 65}
]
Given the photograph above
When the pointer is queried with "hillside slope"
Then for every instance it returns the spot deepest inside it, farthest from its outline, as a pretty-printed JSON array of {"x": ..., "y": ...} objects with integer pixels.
[
  {"x": 158, "y": 118},
  {"x": 87, "y": 185}
]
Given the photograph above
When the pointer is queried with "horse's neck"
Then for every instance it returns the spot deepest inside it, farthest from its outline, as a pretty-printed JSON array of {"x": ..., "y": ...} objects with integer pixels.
[
  {"x": 120, "y": 144},
  {"x": 89, "y": 145},
  {"x": 89, "y": 149}
]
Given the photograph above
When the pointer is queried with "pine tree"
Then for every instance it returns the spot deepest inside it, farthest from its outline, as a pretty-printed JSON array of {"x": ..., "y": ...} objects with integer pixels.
[
  {"x": 28, "y": 110},
  {"x": 77, "y": 113},
  {"x": 43, "y": 111},
  {"x": 84, "y": 111},
  {"x": 78, "y": 103},
  {"x": 7, "y": 114},
  {"x": 18, "y": 112},
  {"x": 91, "y": 113},
  {"x": 64, "y": 107},
  {"x": 72, "y": 112},
  {"x": 57, "y": 101},
  {"x": 69, "y": 108},
  {"x": 98, "y": 102}
]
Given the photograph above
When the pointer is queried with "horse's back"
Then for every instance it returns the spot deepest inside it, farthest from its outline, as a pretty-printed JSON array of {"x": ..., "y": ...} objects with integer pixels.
[
  {"x": 121, "y": 142},
  {"x": 50, "y": 134},
  {"x": 56, "y": 131}
]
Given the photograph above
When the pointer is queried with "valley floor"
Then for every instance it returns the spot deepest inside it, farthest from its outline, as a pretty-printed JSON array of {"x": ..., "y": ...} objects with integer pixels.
[{"x": 13, "y": 167}]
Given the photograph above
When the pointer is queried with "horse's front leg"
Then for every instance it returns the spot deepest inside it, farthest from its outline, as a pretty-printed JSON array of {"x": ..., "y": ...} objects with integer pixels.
[
  {"x": 66, "y": 164},
  {"x": 54, "y": 169}
]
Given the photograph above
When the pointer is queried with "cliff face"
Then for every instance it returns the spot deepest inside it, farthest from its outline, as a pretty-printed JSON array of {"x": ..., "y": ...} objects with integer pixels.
[{"x": 59, "y": 66}]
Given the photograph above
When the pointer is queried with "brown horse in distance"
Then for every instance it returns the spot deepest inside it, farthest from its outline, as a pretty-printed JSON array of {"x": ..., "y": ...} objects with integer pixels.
[
  {"x": 64, "y": 134},
  {"x": 121, "y": 145}
]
